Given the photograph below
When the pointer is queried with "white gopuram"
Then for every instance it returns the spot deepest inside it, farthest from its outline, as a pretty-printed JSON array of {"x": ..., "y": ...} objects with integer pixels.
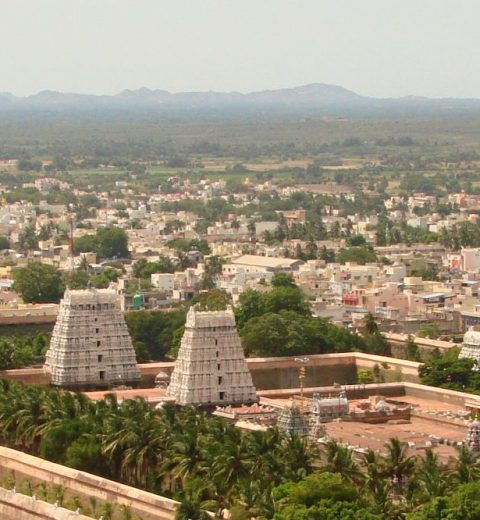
[
  {"x": 90, "y": 343},
  {"x": 211, "y": 367},
  {"x": 471, "y": 346}
]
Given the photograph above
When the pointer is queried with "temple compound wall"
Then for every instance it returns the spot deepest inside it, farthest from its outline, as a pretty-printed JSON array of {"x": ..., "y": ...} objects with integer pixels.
[
  {"x": 211, "y": 367},
  {"x": 143, "y": 504},
  {"x": 90, "y": 343}
]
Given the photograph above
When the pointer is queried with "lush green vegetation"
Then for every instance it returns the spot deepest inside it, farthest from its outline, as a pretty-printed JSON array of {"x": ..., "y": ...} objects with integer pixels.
[
  {"x": 209, "y": 465},
  {"x": 359, "y": 255},
  {"x": 39, "y": 283},
  {"x": 450, "y": 371},
  {"x": 279, "y": 323},
  {"x": 82, "y": 279},
  {"x": 154, "y": 332},
  {"x": 43, "y": 283},
  {"x": 429, "y": 330},
  {"x": 142, "y": 268},
  {"x": 23, "y": 351},
  {"x": 107, "y": 242}
]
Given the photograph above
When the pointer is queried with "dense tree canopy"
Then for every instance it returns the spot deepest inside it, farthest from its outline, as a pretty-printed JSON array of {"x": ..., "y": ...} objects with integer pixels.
[
  {"x": 154, "y": 330},
  {"x": 279, "y": 323},
  {"x": 38, "y": 283},
  {"x": 108, "y": 242},
  {"x": 463, "y": 504},
  {"x": 144, "y": 269},
  {"x": 359, "y": 255},
  {"x": 450, "y": 371},
  {"x": 18, "y": 352},
  {"x": 4, "y": 242}
]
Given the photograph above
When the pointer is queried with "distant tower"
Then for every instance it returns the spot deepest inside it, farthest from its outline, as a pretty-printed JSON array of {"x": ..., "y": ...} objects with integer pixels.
[
  {"x": 472, "y": 439},
  {"x": 90, "y": 343},
  {"x": 471, "y": 346},
  {"x": 292, "y": 420},
  {"x": 211, "y": 366}
]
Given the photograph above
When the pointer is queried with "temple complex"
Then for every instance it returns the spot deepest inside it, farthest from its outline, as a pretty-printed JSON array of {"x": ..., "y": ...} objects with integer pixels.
[
  {"x": 90, "y": 344},
  {"x": 471, "y": 346},
  {"x": 211, "y": 366}
]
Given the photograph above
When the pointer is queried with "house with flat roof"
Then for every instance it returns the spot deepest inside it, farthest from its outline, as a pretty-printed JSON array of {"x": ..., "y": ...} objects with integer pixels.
[{"x": 260, "y": 264}]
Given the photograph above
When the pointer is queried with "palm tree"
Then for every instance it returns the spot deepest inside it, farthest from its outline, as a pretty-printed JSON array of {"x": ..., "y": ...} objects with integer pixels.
[
  {"x": 376, "y": 485},
  {"x": 370, "y": 326},
  {"x": 185, "y": 457},
  {"x": 467, "y": 467},
  {"x": 339, "y": 459},
  {"x": 431, "y": 476},
  {"x": 298, "y": 456},
  {"x": 398, "y": 465},
  {"x": 250, "y": 493},
  {"x": 232, "y": 462},
  {"x": 193, "y": 502},
  {"x": 145, "y": 442},
  {"x": 84, "y": 265}
]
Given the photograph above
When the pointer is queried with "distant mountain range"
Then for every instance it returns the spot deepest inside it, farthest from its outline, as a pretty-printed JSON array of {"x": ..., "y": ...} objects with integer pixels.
[{"x": 316, "y": 96}]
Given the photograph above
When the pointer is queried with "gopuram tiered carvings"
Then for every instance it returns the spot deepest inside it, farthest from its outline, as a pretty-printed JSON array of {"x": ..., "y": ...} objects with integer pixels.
[
  {"x": 90, "y": 344},
  {"x": 211, "y": 367}
]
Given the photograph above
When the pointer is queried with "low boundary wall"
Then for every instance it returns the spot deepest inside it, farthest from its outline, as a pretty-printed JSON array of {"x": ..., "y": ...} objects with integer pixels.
[
  {"x": 15, "y": 506},
  {"x": 141, "y": 502},
  {"x": 431, "y": 393}
]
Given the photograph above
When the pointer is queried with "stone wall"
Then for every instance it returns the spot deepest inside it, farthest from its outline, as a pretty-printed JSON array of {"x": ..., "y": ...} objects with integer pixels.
[
  {"x": 147, "y": 505},
  {"x": 14, "y": 506}
]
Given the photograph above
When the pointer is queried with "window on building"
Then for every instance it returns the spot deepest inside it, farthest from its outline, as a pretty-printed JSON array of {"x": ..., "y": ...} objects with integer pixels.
[
  {"x": 99, "y": 357},
  {"x": 98, "y": 343},
  {"x": 216, "y": 341},
  {"x": 216, "y": 353},
  {"x": 218, "y": 366},
  {"x": 102, "y": 375},
  {"x": 96, "y": 331},
  {"x": 221, "y": 395},
  {"x": 220, "y": 380}
]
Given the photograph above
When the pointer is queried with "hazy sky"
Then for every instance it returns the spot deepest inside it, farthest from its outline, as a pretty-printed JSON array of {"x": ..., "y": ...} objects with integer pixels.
[{"x": 374, "y": 47}]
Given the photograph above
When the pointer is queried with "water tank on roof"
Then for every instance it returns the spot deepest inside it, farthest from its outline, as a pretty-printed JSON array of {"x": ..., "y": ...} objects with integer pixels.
[{"x": 137, "y": 302}]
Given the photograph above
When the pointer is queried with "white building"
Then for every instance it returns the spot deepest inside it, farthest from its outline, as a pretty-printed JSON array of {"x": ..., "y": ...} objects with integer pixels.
[
  {"x": 163, "y": 281},
  {"x": 262, "y": 264},
  {"x": 470, "y": 259}
]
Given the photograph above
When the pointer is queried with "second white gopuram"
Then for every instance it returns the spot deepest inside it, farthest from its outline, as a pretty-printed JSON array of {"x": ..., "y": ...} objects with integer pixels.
[{"x": 211, "y": 367}]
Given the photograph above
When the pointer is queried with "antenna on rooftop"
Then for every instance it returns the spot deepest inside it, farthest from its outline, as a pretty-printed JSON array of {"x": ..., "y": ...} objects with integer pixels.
[{"x": 72, "y": 245}]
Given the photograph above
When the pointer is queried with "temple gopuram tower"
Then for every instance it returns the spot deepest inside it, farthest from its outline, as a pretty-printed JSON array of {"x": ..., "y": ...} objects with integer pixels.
[
  {"x": 211, "y": 367},
  {"x": 90, "y": 344},
  {"x": 471, "y": 346},
  {"x": 291, "y": 420},
  {"x": 472, "y": 439}
]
